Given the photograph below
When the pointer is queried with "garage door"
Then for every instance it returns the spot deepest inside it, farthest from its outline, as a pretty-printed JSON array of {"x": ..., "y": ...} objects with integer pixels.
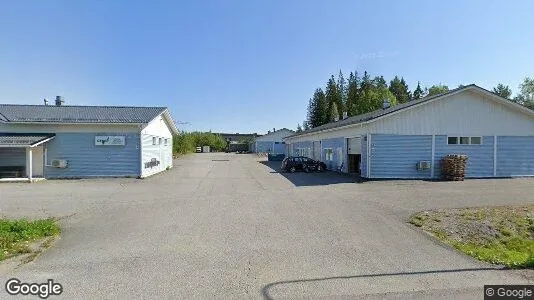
[
  {"x": 317, "y": 150},
  {"x": 355, "y": 145}
]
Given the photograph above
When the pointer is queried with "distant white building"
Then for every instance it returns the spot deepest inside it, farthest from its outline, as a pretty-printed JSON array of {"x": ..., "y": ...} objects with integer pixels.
[{"x": 273, "y": 141}]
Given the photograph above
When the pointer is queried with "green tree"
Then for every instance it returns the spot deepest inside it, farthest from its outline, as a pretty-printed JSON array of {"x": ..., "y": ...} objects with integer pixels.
[
  {"x": 437, "y": 89},
  {"x": 353, "y": 95},
  {"x": 342, "y": 91},
  {"x": 317, "y": 109},
  {"x": 502, "y": 90},
  {"x": 305, "y": 125},
  {"x": 186, "y": 142},
  {"x": 333, "y": 96},
  {"x": 366, "y": 85},
  {"x": 399, "y": 88},
  {"x": 526, "y": 93},
  {"x": 299, "y": 128},
  {"x": 333, "y": 112},
  {"x": 418, "y": 92}
]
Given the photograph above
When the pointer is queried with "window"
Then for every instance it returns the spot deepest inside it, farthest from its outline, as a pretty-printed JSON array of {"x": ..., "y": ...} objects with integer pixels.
[
  {"x": 160, "y": 140},
  {"x": 154, "y": 140},
  {"x": 476, "y": 140},
  {"x": 328, "y": 154},
  {"x": 452, "y": 140},
  {"x": 464, "y": 140},
  {"x": 165, "y": 142}
]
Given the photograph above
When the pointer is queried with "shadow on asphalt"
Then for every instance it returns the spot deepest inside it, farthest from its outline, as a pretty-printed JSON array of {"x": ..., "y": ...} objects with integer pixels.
[
  {"x": 311, "y": 179},
  {"x": 266, "y": 293}
]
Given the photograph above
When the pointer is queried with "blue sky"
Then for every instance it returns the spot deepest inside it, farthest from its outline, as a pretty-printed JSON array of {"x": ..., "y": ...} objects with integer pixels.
[{"x": 250, "y": 66}]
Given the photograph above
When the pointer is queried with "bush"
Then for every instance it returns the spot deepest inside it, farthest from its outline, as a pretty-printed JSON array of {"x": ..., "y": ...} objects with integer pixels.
[{"x": 186, "y": 142}]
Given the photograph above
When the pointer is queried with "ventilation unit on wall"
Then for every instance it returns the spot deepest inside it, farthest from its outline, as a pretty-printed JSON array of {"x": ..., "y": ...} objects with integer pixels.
[
  {"x": 423, "y": 165},
  {"x": 59, "y": 163}
]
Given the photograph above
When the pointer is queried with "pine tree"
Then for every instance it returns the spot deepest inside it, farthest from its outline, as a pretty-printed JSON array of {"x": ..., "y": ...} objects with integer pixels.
[
  {"x": 503, "y": 91},
  {"x": 353, "y": 95},
  {"x": 317, "y": 109},
  {"x": 399, "y": 88},
  {"x": 333, "y": 112},
  {"x": 333, "y": 96},
  {"x": 342, "y": 90},
  {"x": 299, "y": 128},
  {"x": 418, "y": 92}
]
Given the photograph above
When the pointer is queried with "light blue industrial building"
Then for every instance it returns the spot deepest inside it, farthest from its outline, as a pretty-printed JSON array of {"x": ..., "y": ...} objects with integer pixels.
[
  {"x": 60, "y": 141},
  {"x": 410, "y": 139}
]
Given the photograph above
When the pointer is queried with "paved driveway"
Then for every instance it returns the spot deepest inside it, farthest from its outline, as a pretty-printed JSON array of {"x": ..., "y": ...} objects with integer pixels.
[{"x": 228, "y": 226}]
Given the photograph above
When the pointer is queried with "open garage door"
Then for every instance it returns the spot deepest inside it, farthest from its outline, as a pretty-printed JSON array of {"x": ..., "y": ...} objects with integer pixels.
[{"x": 354, "y": 151}]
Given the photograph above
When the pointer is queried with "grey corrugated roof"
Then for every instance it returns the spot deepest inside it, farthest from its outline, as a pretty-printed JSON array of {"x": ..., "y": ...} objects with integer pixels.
[
  {"x": 77, "y": 114},
  {"x": 375, "y": 114},
  {"x": 23, "y": 139}
]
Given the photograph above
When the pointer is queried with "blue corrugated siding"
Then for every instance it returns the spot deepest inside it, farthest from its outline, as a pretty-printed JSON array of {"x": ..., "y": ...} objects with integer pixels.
[
  {"x": 480, "y": 157},
  {"x": 364, "y": 157},
  {"x": 264, "y": 147},
  {"x": 87, "y": 160},
  {"x": 12, "y": 157},
  {"x": 396, "y": 156},
  {"x": 515, "y": 156},
  {"x": 340, "y": 156}
]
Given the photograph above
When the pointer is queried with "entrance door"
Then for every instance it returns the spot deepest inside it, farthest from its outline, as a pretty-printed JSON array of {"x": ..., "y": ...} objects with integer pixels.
[
  {"x": 37, "y": 161},
  {"x": 354, "y": 151}
]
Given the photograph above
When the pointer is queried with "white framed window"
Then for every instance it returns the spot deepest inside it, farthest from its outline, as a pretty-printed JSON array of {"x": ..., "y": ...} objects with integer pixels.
[
  {"x": 154, "y": 140},
  {"x": 328, "y": 154},
  {"x": 166, "y": 142},
  {"x": 464, "y": 140},
  {"x": 160, "y": 141}
]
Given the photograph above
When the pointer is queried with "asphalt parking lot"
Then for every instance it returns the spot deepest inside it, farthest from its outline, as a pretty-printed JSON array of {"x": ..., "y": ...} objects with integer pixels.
[{"x": 230, "y": 226}]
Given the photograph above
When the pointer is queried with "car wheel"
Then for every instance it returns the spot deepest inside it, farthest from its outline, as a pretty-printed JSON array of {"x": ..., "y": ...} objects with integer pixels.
[
  {"x": 292, "y": 169},
  {"x": 307, "y": 169},
  {"x": 319, "y": 168}
]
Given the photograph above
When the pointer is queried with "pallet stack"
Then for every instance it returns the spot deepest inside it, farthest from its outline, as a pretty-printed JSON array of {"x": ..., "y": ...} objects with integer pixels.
[{"x": 453, "y": 167}]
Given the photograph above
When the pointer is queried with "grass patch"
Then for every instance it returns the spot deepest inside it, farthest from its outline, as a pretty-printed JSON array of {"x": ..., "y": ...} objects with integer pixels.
[
  {"x": 16, "y": 235},
  {"x": 498, "y": 235}
]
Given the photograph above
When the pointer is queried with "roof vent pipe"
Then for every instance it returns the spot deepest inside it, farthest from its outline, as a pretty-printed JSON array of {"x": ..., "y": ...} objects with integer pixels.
[
  {"x": 59, "y": 100},
  {"x": 386, "y": 104},
  {"x": 45, "y": 101}
]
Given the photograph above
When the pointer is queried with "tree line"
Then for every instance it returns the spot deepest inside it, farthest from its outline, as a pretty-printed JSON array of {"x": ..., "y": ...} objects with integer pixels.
[
  {"x": 187, "y": 142},
  {"x": 525, "y": 96},
  {"x": 358, "y": 95},
  {"x": 362, "y": 94}
]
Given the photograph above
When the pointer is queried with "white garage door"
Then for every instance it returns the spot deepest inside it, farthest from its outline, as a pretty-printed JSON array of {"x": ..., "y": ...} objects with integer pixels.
[{"x": 355, "y": 145}]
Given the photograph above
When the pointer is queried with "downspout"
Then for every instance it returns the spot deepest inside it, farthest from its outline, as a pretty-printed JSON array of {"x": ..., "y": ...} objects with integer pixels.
[{"x": 140, "y": 141}]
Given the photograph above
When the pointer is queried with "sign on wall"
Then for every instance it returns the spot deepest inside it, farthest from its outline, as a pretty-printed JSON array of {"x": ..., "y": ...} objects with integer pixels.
[
  {"x": 152, "y": 163},
  {"x": 109, "y": 140}
]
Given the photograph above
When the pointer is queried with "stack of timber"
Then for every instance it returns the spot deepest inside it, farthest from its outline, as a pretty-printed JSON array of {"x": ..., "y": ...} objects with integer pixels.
[{"x": 453, "y": 167}]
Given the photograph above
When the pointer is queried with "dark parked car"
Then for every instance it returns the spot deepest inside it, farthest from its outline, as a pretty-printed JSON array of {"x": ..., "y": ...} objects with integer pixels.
[{"x": 301, "y": 163}]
